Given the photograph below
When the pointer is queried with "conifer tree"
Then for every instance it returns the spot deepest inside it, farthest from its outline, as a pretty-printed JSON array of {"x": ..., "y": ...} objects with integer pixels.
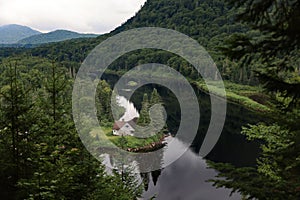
[{"x": 144, "y": 118}]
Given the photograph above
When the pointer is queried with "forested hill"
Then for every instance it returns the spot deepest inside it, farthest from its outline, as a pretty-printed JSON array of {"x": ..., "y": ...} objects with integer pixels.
[
  {"x": 207, "y": 21},
  {"x": 12, "y": 33},
  {"x": 54, "y": 36}
]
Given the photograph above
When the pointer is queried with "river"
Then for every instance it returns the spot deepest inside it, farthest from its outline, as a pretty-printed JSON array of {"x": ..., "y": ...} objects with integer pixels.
[{"x": 186, "y": 178}]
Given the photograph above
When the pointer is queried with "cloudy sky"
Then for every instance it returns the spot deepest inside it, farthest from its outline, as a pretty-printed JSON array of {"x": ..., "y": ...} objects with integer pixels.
[{"x": 88, "y": 16}]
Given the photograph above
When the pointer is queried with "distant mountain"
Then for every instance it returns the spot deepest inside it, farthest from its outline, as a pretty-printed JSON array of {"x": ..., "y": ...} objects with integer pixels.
[
  {"x": 12, "y": 33},
  {"x": 54, "y": 36}
]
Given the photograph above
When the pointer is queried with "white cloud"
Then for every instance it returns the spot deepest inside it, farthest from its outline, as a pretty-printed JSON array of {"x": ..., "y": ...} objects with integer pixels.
[{"x": 98, "y": 16}]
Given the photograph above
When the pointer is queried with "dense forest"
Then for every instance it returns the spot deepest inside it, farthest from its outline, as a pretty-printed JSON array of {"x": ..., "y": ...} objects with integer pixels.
[
  {"x": 208, "y": 22},
  {"x": 41, "y": 154},
  {"x": 252, "y": 42}
]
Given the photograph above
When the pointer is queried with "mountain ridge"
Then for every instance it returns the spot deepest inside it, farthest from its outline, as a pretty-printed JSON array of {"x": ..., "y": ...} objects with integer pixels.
[
  {"x": 12, "y": 33},
  {"x": 19, "y": 35},
  {"x": 55, "y": 36}
]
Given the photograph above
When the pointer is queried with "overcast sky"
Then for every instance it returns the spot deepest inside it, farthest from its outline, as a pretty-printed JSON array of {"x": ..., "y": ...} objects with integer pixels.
[{"x": 88, "y": 16}]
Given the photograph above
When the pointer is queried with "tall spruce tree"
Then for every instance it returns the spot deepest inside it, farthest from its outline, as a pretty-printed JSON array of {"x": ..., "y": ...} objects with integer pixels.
[
  {"x": 144, "y": 118},
  {"x": 16, "y": 122}
]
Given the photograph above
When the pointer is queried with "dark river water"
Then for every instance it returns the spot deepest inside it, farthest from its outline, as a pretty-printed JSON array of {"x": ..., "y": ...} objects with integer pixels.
[{"x": 186, "y": 178}]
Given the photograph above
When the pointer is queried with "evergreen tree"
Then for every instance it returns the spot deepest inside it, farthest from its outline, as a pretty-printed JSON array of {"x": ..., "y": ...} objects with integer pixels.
[
  {"x": 158, "y": 114},
  {"x": 144, "y": 118},
  {"x": 103, "y": 101},
  {"x": 155, "y": 98},
  {"x": 16, "y": 122}
]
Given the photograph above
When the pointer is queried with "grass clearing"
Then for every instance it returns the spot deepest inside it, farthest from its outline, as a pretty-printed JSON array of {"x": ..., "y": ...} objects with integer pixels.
[
  {"x": 249, "y": 96},
  {"x": 102, "y": 134}
]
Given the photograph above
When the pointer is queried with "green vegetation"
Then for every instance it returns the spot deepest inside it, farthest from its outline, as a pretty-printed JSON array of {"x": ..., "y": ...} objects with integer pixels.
[
  {"x": 132, "y": 83},
  {"x": 251, "y": 97},
  {"x": 144, "y": 118},
  {"x": 208, "y": 22},
  {"x": 124, "y": 142},
  {"x": 273, "y": 50},
  {"x": 41, "y": 154},
  {"x": 102, "y": 134},
  {"x": 253, "y": 42},
  {"x": 129, "y": 142},
  {"x": 157, "y": 115},
  {"x": 104, "y": 113}
]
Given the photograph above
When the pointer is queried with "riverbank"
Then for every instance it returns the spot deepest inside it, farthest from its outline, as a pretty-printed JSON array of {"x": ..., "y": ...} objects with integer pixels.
[
  {"x": 250, "y": 97},
  {"x": 134, "y": 144},
  {"x": 151, "y": 147}
]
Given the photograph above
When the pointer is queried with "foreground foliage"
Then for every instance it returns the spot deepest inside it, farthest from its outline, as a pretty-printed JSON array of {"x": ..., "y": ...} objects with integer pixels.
[
  {"x": 274, "y": 47},
  {"x": 41, "y": 154}
]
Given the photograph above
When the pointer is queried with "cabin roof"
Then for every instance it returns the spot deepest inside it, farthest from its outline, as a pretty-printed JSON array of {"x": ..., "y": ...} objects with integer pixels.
[
  {"x": 132, "y": 123},
  {"x": 119, "y": 124}
]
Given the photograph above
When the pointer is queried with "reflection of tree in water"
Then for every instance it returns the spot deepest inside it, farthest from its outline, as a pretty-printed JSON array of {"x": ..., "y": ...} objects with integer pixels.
[
  {"x": 153, "y": 161},
  {"x": 146, "y": 178},
  {"x": 133, "y": 163},
  {"x": 155, "y": 174}
]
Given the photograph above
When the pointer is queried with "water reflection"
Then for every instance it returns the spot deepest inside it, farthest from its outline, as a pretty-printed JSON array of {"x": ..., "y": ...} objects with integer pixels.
[
  {"x": 187, "y": 179},
  {"x": 130, "y": 110}
]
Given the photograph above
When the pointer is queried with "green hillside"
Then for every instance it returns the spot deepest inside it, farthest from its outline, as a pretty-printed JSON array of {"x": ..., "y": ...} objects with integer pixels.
[
  {"x": 209, "y": 22},
  {"x": 206, "y": 21}
]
